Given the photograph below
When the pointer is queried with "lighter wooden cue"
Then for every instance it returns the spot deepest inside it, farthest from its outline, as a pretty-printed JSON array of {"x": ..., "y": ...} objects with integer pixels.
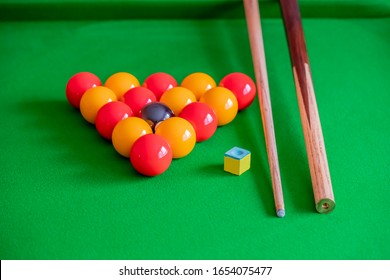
[
  {"x": 252, "y": 13},
  {"x": 318, "y": 163}
]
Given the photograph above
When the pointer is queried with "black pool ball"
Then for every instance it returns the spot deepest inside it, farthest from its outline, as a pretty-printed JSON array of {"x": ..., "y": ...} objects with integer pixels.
[{"x": 156, "y": 112}]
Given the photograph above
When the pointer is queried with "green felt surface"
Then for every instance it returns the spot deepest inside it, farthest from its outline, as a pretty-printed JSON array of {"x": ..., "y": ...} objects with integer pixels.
[{"x": 66, "y": 194}]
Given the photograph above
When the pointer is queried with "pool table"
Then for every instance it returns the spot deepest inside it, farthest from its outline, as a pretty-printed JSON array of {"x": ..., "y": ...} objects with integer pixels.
[{"x": 65, "y": 193}]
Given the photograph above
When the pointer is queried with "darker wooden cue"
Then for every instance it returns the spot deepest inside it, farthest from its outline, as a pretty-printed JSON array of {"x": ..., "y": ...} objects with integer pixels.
[{"x": 314, "y": 140}]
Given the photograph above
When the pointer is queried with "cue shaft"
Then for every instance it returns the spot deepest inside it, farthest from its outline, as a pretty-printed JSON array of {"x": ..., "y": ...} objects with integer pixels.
[
  {"x": 314, "y": 140},
  {"x": 252, "y": 14}
]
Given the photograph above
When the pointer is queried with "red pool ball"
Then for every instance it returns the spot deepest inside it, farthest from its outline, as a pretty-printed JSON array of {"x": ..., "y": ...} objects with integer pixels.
[
  {"x": 137, "y": 98},
  {"x": 109, "y": 115},
  {"x": 78, "y": 84},
  {"x": 242, "y": 86},
  {"x": 159, "y": 83},
  {"x": 203, "y": 119},
  {"x": 151, "y": 155}
]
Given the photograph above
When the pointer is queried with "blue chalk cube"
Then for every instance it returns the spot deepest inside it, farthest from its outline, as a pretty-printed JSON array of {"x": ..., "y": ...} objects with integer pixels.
[{"x": 237, "y": 160}]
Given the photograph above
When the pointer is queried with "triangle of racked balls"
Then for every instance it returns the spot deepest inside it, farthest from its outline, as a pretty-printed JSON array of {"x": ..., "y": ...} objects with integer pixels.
[{"x": 153, "y": 122}]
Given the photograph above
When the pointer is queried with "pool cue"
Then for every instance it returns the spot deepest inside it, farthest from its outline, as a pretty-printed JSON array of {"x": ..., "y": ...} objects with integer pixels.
[
  {"x": 252, "y": 14},
  {"x": 318, "y": 163}
]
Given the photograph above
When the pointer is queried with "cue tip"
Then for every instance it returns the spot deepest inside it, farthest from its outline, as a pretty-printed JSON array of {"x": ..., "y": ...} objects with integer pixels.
[{"x": 280, "y": 213}]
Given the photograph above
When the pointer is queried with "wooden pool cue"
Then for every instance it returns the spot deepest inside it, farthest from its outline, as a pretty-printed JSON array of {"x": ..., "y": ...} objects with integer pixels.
[
  {"x": 252, "y": 14},
  {"x": 318, "y": 163}
]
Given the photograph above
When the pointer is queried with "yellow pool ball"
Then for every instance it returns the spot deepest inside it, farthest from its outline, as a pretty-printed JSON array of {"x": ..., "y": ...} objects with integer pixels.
[
  {"x": 177, "y": 98},
  {"x": 121, "y": 82},
  {"x": 198, "y": 83},
  {"x": 126, "y": 132},
  {"x": 93, "y": 99},
  {"x": 224, "y": 103},
  {"x": 180, "y": 135}
]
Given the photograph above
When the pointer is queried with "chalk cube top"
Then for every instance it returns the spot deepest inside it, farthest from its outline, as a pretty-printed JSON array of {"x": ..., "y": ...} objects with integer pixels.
[{"x": 237, "y": 153}]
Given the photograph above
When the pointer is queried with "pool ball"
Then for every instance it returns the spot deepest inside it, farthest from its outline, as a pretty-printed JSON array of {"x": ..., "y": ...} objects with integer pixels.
[
  {"x": 93, "y": 99},
  {"x": 223, "y": 102},
  {"x": 180, "y": 135},
  {"x": 137, "y": 98},
  {"x": 242, "y": 86},
  {"x": 126, "y": 132},
  {"x": 198, "y": 83},
  {"x": 109, "y": 115},
  {"x": 159, "y": 83},
  {"x": 177, "y": 98},
  {"x": 151, "y": 155},
  {"x": 78, "y": 84},
  {"x": 203, "y": 119},
  {"x": 121, "y": 82},
  {"x": 155, "y": 112}
]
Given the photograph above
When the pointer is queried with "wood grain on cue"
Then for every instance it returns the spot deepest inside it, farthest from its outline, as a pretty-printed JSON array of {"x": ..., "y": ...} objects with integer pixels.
[
  {"x": 252, "y": 14},
  {"x": 318, "y": 163}
]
